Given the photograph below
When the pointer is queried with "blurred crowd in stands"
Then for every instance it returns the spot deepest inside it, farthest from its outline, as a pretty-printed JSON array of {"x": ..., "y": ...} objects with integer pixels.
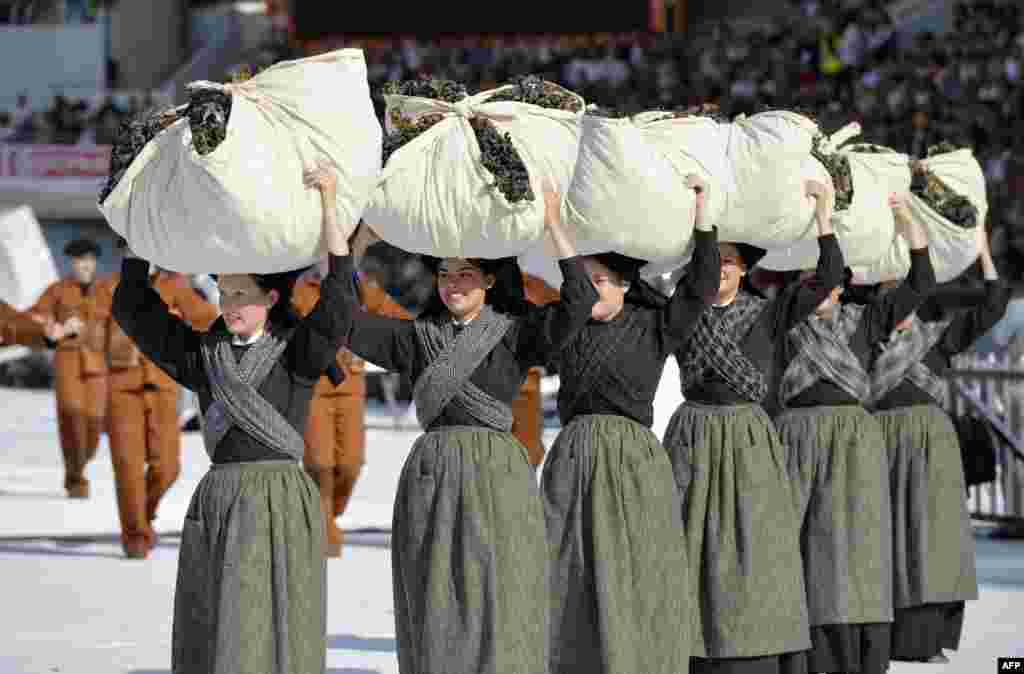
[
  {"x": 844, "y": 60},
  {"x": 72, "y": 121},
  {"x": 841, "y": 59}
]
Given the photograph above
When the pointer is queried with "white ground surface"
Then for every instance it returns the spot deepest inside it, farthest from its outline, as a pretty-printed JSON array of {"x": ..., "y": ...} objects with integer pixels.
[{"x": 71, "y": 603}]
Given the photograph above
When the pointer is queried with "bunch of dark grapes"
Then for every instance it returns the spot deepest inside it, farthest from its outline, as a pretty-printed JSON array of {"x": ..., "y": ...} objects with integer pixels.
[
  {"x": 536, "y": 91},
  {"x": 441, "y": 90},
  {"x": 944, "y": 147},
  {"x": 869, "y": 148},
  {"x": 132, "y": 137},
  {"x": 940, "y": 198},
  {"x": 498, "y": 154},
  {"x": 208, "y": 113},
  {"x": 838, "y": 167},
  {"x": 500, "y": 157},
  {"x": 405, "y": 132}
]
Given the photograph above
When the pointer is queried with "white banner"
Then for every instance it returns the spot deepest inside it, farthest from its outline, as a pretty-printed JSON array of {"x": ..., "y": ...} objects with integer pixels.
[{"x": 26, "y": 266}]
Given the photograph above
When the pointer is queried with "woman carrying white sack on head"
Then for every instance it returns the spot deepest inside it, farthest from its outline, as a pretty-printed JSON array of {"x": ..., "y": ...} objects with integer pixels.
[
  {"x": 837, "y": 459},
  {"x": 621, "y": 595},
  {"x": 251, "y": 590},
  {"x": 468, "y": 533},
  {"x": 933, "y": 570},
  {"x": 739, "y": 505}
]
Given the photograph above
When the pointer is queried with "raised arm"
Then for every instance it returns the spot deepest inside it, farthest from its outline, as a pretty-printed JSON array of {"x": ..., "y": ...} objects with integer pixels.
[
  {"x": 549, "y": 328},
  {"x": 386, "y": 341},
  {"x": 886, "y": 312},
  {"x": 972, "y": 323},
  {"x": 806, "y": 297},
  {"x": 699, "y": 287},
  {"x": 314, "y": 344},
  {"x": 143, "y": 315}
]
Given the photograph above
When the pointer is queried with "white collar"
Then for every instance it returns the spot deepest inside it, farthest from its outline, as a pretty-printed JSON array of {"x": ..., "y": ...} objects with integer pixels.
[
  {"x": 462, "y": 324},
  {"x": 239, "y": 341}
]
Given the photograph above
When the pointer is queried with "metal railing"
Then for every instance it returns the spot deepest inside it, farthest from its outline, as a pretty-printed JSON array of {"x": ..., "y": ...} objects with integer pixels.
[{"x": 992, "y": 389}]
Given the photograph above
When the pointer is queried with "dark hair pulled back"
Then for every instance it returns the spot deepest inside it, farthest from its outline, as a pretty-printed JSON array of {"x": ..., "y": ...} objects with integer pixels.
[{"x": 506, "y": 296}]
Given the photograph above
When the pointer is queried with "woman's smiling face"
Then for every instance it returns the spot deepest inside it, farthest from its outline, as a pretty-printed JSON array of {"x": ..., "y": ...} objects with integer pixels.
[{"x": 463, "y": 287}]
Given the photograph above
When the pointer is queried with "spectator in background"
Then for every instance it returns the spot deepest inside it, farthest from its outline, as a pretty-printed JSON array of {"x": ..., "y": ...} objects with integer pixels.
[
  {"x": 22, "y": 122},
  {"x": 107, "y": 121}
]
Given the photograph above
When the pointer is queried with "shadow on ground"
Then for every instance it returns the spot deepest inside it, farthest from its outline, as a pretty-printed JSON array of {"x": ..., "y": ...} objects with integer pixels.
[
  {"x": 48, "y": 551},
  {"x": 333, "y": 670},
  {"x": 1000, "y": 561},
  {"x": 350, "y": 642}
]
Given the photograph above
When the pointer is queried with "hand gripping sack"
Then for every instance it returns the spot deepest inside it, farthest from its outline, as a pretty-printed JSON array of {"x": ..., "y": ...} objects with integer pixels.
[
  {"x": 866, "y": 228},
  {"x": 629, "y": 190},
  {"x": 951, "y": 245},
  {"x": 436, "y": 197},
  {"x": 243, "y": 208}
]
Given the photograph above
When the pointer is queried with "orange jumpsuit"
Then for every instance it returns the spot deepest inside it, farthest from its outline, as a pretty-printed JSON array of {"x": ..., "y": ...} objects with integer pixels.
[
  {"x": 527, "y": 409},
  {"x": 142, "y": 421},
  {"x": 335, "y": 428},
  {"x": 17, "y": 328},
  {"x": 81, "y": 372}
]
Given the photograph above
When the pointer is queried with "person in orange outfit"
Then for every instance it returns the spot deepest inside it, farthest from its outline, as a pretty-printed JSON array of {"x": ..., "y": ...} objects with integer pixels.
[
  {"x": 76, "y": 311},
  {"x": 19, "y": 329},
  {"x": 142, "y": 422},
  {"x": 335, "y": 429},
  {"x": 528, "y": 409}
]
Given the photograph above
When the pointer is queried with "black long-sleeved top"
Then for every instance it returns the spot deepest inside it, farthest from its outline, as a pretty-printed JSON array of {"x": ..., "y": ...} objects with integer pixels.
[
  {"x": 760, "y": 344},
  {"x": 968, "y": 324},
  {"x": 881, "y": 316},
  {"x": 629, "y": 380},
  {"x": 175, "y": 348},
  {"x": 391, "y": 343}
]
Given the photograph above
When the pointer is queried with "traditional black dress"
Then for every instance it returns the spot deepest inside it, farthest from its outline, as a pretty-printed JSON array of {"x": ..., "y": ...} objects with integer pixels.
[
  {"x": 621, "y": 598},
  {"x": 739, "y": 506},
  {"x": 838, "y": 459},
  {"x": 467, "y": 541},
  {"x": 251, "y": 590},
  {"x": 933, "y": 544}
]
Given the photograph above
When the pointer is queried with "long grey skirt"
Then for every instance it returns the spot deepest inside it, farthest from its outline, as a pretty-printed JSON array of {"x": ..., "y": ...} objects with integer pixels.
[
  {"x": 838, "y": 459},
  {"x": 469, "y": 557},
  {"x": 742, "y": 528},
  {"x": 933, "y": 544},
  {"x": 620, "y": 596},
  {"x": 251, "y": 592}
]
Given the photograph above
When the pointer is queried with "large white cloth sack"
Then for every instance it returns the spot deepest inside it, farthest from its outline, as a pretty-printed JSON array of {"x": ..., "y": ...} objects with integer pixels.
[
  {"x": 26, "y": 266},
  {"x": 866, "y": 229},
  {"x": 767, "y": 132},
  {"x": 629, "y": 190},
  {"x": 952, "y": 248},
  {"x": 769, "y": 157},
  {"x": 243, "y": 208},
  {"x": 435, "y": 196}
]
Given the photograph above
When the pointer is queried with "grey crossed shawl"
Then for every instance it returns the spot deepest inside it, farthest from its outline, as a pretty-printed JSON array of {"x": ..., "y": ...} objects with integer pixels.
[
  {"x": 824, "y": 354},
  {"x": 902, "y": 357},
  {"x": 235, "y": 386},
  {"x": 453, "y": 358},
  {"x": 715, "y": 346}
]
